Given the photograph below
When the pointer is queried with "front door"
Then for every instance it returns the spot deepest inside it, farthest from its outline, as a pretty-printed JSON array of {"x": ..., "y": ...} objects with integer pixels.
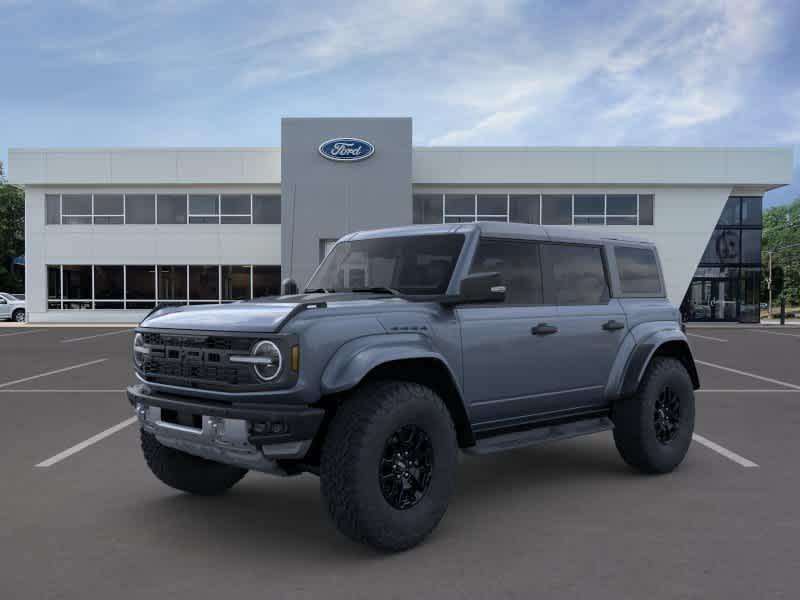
[
  {"x": 712, "y": 300},
  {"x": 4, "y": 308}
]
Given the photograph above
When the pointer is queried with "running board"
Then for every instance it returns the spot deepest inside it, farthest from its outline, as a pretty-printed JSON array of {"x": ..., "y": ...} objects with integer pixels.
[{"x": 538, "y": 435}]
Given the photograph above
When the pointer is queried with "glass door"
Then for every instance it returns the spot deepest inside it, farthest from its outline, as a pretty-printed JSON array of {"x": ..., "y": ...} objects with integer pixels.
[{"x": 712, "y": 300}]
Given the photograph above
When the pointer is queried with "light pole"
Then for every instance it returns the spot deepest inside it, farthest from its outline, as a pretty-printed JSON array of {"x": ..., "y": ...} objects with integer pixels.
[{"x": 769, "y": 277}]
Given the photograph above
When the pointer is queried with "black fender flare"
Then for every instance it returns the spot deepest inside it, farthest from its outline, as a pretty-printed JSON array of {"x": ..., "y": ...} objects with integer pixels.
[{"x": 660, "y": 343}]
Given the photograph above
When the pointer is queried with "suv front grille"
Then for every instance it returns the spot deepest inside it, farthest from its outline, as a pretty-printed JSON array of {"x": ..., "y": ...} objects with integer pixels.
[{"x": 198, "y": 361}]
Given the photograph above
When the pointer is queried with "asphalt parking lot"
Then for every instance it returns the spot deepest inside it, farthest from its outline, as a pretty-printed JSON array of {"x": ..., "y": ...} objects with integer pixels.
[{"x": 82, "y": 517}]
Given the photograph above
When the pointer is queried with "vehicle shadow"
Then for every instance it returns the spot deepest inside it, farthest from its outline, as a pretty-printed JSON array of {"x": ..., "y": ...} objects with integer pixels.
[{"x": 268, "y": 517}]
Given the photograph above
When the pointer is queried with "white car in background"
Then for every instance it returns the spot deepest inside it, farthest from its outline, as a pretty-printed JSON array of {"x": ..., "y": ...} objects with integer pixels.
[{"x": 12, "y": 308}]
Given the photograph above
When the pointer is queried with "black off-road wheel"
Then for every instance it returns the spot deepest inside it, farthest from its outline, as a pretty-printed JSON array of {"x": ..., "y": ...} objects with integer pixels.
[
  {"x": 653, "y": 429},
  {"x": 186, "y": 472},
  {"x": 388, "y": 464}
]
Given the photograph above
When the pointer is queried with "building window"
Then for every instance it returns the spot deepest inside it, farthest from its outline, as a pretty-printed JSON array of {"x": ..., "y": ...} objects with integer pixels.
[
  {"x": 524, "y": 208},
  {"x": 589, "y": 209},
  {"x": 52, "y": 203},
  {"x": 325, "y": 246},
  {"x": 164, "y": 209},
  {"x": 109, "y": 209},
  {"x": 726, "y": 284},
  {"x": 428, "y": 208},
  {"x": 140, "y": 209},
  {"x": 76, "y": 209},
  {"x": 142, "y": 287},
  {"x": 204, "y": 208},
  {"x": 171, "y": 209},
  {"x": 203, "y": 283},
  {"x": 556, "y": 209},
  {"x": 235, "y": 282}
]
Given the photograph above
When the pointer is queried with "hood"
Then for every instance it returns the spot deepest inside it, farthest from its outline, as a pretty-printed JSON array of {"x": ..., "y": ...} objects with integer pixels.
[
  {"x": 265, "y": 315},
  {"x": 261, "y": 317}
]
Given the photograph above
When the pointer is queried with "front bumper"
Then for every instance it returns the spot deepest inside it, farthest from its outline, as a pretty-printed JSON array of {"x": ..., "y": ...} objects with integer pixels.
[{"x": 252, "y": 436}]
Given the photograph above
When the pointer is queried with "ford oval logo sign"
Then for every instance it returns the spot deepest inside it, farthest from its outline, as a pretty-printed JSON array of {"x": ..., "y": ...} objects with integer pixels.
[{"x": 346, "y": 149}]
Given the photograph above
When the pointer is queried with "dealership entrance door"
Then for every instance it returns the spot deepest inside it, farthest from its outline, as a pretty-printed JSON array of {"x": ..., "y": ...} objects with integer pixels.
[{"x": 712, "y": 300}]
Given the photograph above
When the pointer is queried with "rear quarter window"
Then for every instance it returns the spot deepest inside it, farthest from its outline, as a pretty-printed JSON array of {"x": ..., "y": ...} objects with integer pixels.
[
  {"x": 574, "y": 275},
  {"x": 638, "y": 271}
]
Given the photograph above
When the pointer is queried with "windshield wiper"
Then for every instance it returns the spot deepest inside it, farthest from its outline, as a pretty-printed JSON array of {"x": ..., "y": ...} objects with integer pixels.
[
  {"x": 319, "y": 291},
  {"x": 377, "y": 290}
]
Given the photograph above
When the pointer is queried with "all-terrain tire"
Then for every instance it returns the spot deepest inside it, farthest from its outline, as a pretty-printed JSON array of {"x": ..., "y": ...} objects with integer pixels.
[
  {"x": 19, "y": 315},
  {"x": 353, "y": 461},
  {"x": 639, "y": 419},
  {"x": 186, "y": 472}
]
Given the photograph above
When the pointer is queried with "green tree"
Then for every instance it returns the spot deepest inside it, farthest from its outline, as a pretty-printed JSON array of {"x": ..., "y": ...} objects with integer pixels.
[
  {"x": 12, "y": 235},
  {"x": 782, "y": 235}
]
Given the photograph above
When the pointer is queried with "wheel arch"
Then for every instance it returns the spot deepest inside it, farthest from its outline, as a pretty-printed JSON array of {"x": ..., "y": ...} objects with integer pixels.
[
  {"x": 403, "y": 357},
  {"x": 670, "y": 344}
]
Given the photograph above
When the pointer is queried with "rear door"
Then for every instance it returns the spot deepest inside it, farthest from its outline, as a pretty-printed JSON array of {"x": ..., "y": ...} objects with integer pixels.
[{"x": 591, "y": 324}]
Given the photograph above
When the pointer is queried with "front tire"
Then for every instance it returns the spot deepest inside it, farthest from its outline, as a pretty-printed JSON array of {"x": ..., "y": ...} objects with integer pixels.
[
  {"x": 388, "y": 464},
  {"x": 653, "y": 429},
  {"x": 19, "y": 315},
  {"x": 186, "y": 472}
]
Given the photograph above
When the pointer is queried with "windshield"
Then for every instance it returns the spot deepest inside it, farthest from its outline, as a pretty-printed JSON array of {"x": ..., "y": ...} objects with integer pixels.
[{"x": 418, "y": 264}]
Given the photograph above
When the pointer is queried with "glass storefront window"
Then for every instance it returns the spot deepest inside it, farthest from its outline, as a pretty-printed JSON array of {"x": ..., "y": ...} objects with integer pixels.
[
  {"x": 749, "y": 295},
  {"x": 730, "y": 213},
  {"x": 751, "y": 211}
]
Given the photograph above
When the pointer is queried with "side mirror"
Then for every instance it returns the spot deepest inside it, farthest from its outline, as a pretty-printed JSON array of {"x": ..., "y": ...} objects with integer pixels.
[
  {"x": 288, "y": 287},
  {"x": 482, "y": 287}
]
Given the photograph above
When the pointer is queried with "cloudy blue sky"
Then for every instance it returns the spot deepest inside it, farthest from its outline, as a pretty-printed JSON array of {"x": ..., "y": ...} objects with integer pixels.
[{"x": 477, "y": 72}]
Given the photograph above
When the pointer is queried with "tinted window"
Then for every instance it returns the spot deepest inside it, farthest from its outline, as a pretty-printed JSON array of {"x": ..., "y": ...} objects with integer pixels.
[
  {"x": 524, "y": 209},
  {"x": 459, "y": 204},
  {"x": 646, "y": 209},
  {"x": 589, "y": 204},
  {"x": 203, "y": 282},
  {"x": 77, "y": 209},
  {"x": 172, "y": 283},
  {"x": 52, "y": 209},
  {"x": 140, "y": 209},
  {"x": 108, "y": 282},
  {"x": 517, "y": 262},
  {"x": 172, "y": 209},
  {"x": 638, "y": 271},
  {"x": 557, "y": 209},
  {"x": 573, "y": 275},
  {"x": 751, "y": 211},
  {"x": 751, "y": 246},
  {"x": 53, "y": 282},
  {"x": 493, "y": 204},
  {"x": 266, "y": 280},
  {"x": 235, "y": 209},
  {"x": 235, "y": 282},
  {"x": 141, "y": 282},
  {"x": 203, "y": 208},
  {"x": 108, "y": 209},
  {"x": 621, "y": 204},
  {"x": 723, "y": 247},
  {"x": 77, "y": 282},
  {"x": 420, "y": 264},
  {"x": 730, "y": 214},
  {"x": 427, "y": 208},
  {"x": 266, "y": 209}
]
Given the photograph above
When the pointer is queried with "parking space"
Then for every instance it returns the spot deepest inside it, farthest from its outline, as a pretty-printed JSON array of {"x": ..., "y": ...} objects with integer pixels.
[{"x": 562, "y": 520}]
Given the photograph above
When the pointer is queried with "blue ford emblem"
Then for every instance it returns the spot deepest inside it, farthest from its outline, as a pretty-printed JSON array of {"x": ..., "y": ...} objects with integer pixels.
[{"x": 346, "y": 149}]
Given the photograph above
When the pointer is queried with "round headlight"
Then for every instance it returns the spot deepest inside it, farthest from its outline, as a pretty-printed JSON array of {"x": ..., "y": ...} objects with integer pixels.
[
  {"x": 138, "y": 350},
  {"x": 269, "y": 360}
]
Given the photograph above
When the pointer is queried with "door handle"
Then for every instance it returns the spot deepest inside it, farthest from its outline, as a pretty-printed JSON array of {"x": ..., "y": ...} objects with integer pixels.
[
  {"x": 544, "y": 329},
  {"x": 613, "y": 325}
]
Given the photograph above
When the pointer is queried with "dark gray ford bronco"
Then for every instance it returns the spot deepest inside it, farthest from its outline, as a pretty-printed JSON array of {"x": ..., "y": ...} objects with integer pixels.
[{"x": 410, "y": 345}]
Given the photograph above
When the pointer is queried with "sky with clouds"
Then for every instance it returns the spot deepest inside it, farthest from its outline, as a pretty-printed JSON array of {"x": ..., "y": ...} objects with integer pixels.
[{"x": 472, "y": 72}]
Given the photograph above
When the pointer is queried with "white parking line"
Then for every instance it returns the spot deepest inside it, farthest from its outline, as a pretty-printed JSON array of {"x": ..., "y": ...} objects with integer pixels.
[
  {"x": 30, "y": 331},
  {"x": 778, "y": 333},
  {"x": 71, "y": 391},
  {"x": 86, "y": 443},
  {"x": 91, "y": 337},
  {"x": 738, "y": 459},
  {"x": 24, "y": 379},
  {"x": 706, "y": 337},
  {"x": 753, "y": 375}
]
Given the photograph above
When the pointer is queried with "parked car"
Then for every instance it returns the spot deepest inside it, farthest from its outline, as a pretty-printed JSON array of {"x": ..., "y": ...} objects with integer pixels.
[
  {"x": 764, "y": 306},
  {"x": 12, "y": 308},
  {"x": 407, "y": 345}
]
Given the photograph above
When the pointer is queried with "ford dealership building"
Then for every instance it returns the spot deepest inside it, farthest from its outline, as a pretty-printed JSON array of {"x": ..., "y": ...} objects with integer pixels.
[{"x": 111, "y": 232}]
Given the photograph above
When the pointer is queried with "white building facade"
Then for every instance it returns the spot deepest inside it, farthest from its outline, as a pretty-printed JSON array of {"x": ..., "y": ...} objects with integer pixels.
[{"x": 110, "y": 233}]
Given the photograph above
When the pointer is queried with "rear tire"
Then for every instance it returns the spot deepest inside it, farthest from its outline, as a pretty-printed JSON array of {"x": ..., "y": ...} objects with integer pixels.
[
  {"x": 388, "y": 464},
  {"x": 186, "y": 472},
  {"x": 653, "y": 429},
  {"x": 19, "y": 315}
]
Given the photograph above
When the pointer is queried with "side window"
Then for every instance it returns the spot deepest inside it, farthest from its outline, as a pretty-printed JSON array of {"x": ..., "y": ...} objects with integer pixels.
[
  {"x": 574, "y": 274},
  {"x": 517, "y": 262},
  {"x": 638, "y": 271}
]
